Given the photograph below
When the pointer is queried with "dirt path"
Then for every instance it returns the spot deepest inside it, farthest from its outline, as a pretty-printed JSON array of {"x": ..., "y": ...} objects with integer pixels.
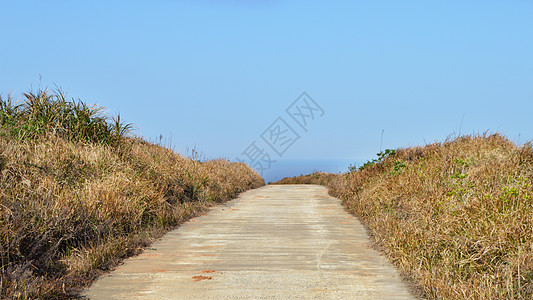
[{"x": 276, "y": 242}]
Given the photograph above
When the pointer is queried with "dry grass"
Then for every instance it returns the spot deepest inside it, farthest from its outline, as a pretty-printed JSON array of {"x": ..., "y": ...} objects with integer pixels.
[
  {"x": 71, "y": 208},
  {"x": 455, "y": 217},
  {"x": 319, "y": 178}
]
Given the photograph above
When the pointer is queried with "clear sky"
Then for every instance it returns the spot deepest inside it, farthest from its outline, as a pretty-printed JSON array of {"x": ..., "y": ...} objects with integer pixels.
[{"x": 215, "y": 74}]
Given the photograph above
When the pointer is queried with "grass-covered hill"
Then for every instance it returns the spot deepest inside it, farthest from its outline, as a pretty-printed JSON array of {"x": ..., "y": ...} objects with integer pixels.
[
  {"x": 456, "y": 217},
  {"x": 78, "y": 194}
]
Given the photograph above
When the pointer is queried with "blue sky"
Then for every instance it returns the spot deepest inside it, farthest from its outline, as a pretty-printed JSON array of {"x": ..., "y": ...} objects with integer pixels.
[{"x": 215, "y": 74}]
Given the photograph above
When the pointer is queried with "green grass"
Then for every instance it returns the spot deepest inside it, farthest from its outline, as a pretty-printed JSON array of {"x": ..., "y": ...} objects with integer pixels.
[{"x": 74, "y": 120}]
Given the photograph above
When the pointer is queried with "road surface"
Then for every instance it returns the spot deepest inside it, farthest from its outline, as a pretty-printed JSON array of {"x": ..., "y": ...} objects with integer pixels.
[{"x": 276, "y": 242}]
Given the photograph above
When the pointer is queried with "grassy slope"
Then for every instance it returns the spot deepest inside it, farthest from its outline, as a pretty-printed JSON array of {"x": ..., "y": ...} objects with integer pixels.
[
  {"x": 455, "y": 217},
  {"x": 74, "y": 201}
]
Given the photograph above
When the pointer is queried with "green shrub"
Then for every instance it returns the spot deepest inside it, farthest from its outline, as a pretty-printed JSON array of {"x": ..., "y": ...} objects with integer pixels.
[{"x": 43, "y": 113}]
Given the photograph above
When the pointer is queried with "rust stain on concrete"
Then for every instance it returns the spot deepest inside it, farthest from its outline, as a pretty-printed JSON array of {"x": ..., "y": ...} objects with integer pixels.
[{"x": 201, "y": 277}]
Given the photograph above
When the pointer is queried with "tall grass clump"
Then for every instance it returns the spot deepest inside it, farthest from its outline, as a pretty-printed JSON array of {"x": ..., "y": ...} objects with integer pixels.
[
  {"x": 74, "y": 120},
  {"x": 78, "y": 195}
]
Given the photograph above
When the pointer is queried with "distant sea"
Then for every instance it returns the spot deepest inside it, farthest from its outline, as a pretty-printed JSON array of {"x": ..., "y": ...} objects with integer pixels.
[{"x": 296, "y": 167}]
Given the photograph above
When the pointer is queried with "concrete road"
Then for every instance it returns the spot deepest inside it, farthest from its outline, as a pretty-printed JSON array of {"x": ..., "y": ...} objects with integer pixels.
[{"x": 276, "y": 242}]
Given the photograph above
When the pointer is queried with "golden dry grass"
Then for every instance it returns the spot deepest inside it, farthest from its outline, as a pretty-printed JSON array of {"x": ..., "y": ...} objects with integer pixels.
[
  {"x": 456, "y": 218},
  {"x": 71, "y": 208},
  {"x": 319, "y": 178}
]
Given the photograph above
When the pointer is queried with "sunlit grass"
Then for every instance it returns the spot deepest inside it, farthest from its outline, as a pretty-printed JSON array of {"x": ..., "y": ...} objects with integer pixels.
[
  {"x": 45, "y": 112},
  {"x": 455, "y": 217},
  {"x": 77, "y": 194}
]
